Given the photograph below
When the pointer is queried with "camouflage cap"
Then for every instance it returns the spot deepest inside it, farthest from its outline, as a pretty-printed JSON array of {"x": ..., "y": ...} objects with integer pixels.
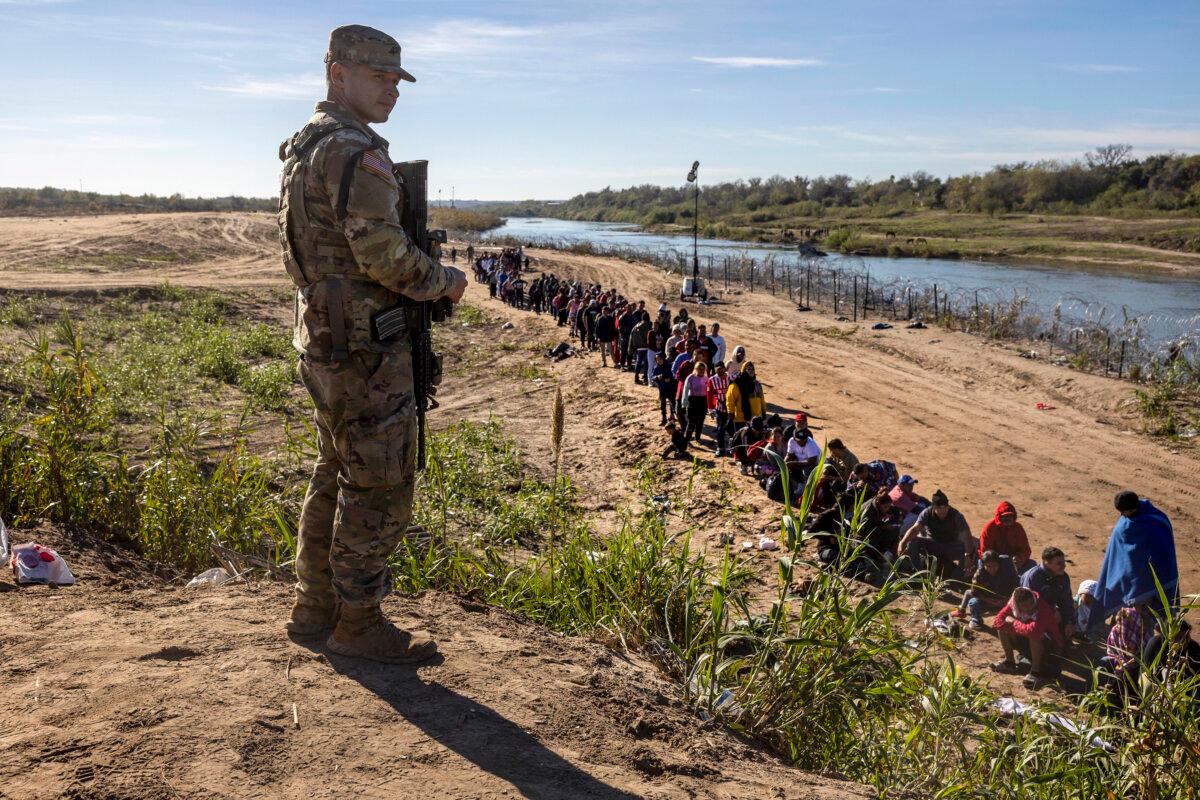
[{"x": 358, "y": 44}]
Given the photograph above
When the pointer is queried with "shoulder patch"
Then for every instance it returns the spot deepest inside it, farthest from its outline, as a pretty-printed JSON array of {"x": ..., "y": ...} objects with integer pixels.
[{"x": 377, "y": 164}]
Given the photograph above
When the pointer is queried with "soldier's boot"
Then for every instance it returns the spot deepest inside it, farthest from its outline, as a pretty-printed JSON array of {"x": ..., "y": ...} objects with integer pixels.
[
  {"x": 363, "y": 632},
  {"x": 310, "y": 621}
]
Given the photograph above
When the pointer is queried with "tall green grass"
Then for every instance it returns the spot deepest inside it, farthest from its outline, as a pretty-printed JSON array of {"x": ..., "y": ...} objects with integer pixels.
[
  {"x": 827, "y": 677},
  {"x": 62, "y": 459}
]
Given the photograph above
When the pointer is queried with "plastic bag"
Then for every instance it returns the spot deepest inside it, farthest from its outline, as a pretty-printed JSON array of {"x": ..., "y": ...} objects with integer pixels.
[
  {"x": 215, "y": 577},
  {"x": 32, "y": 563},
  {"x": 3, "y": 541}
]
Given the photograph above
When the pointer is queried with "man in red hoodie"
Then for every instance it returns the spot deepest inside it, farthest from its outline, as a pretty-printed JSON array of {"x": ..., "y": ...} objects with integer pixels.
[
  {"x": 1029, "y": 616},
  {"x": 1007, "y": 537}
]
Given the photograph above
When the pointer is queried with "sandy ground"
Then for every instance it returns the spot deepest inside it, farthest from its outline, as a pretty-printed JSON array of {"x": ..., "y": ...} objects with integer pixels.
[
  {"x": 957, "y": 412},
  {"x": 126, "y": 687}
]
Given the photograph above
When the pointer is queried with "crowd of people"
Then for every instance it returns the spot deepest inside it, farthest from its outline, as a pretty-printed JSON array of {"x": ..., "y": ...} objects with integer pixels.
[{"x": 868, "y": 520}]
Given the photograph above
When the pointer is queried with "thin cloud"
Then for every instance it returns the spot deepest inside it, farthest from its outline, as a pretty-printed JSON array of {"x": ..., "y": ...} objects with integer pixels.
[
  {"x": 469, "y": 37},
  {"x": 1102, "y": 68},
  {"x": 294, "y": 87},
  {"x": 110, "y": 119},
  {"x": 750, "y": 62},
  {"x": 886, "y": 90}
]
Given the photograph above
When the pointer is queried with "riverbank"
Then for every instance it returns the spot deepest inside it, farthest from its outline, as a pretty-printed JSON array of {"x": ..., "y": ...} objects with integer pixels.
[{"x": 1160, "y": 244}]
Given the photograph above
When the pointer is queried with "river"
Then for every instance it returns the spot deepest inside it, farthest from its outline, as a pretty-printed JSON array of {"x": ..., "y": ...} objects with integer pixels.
[{"x": 1167, "y": 306}]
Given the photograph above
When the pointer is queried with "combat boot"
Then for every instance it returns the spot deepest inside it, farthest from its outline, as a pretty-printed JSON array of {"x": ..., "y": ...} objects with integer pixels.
[
  {"x": 311, "y": 621},
  {"x": 365, "y": 633}
]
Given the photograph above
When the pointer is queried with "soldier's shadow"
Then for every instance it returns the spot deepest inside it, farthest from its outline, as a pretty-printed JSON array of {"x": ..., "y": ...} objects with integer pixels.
[{"x": 476, "y": 732}]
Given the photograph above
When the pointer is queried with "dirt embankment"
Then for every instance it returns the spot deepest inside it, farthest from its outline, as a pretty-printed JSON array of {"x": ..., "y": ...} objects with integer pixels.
[{"x": 129, "y": 686}]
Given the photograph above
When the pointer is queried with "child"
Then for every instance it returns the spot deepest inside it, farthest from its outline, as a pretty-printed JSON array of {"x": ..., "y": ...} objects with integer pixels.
[
  {"x": 1029, "y": 618},
  {"x": 994, "y": 581},
  {"x": 1089, "y": 619},
  {"x": 679, "y": 442}
]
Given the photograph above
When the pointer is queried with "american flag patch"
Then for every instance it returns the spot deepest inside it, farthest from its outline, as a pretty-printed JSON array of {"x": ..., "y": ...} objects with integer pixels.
[{"x": 376, "y": 164}]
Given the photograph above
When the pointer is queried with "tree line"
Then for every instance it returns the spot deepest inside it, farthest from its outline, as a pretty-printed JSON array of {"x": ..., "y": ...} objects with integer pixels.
[
  {"x": 49, "y": 200},
  {"x": 1106, "y": 180}
]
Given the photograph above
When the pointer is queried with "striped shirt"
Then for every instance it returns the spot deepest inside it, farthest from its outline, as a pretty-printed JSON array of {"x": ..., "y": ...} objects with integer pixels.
[{"x": 718, "y": 385}]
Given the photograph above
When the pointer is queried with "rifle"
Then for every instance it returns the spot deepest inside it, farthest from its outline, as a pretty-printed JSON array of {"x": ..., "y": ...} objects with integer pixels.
[{"x": 418, "y": 315}]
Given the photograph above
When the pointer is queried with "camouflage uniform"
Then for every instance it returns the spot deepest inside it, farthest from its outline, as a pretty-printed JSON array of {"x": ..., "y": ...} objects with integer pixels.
[{"x": 346, "y": 252}]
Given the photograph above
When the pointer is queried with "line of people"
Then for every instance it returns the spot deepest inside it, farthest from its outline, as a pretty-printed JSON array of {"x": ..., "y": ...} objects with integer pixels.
[{"x": 700, "y": 382}]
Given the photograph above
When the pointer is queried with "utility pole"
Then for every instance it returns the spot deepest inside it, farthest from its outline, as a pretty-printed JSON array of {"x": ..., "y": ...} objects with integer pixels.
[{"x": 692, "y": 178}]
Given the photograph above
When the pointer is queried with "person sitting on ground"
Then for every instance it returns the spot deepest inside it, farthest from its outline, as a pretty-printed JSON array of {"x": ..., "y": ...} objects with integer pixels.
[
  {"x": 772, "y": 455},
  {"x": 859, "y": 481},
  {"x": 839, "y": 459},
  {"x": 1175, "y": 659},
  {"x": 665, "y": 382},
  {"x": 1007, "y": 537},
  {"x": 1050, "y": 580},
  {"x": 606, "y": 334},
  {"x": 1126, "y": 639},
  {"x": 1028, "y": 620},
  {"x": 745, "y": 399},
  {"x": 994, "y": 582},
  {"x": 679, "y": 442},
  {"x": 695, "y": 395},
  {"x": 800, "y": 420},
  {"x": 802, "y": 454},
  {"x": 1089, "y": 622},
  {"x": 874, "y": 543},
  {"x": 1140, "y": 558},
  {"x": 747, "y": 440},
  {"x": 908, "y": 503},
  {"x": 940, "y": 532},
  {"x": 734, "y": 365}
]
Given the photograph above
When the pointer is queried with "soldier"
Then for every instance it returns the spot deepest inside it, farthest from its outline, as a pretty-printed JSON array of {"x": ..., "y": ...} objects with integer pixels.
[{"x": 349, "y": 257}]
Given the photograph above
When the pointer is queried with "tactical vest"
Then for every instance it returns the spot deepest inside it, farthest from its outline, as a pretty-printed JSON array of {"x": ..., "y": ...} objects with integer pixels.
[
  {"x": 312, "y": 252},
  {"x": 335, "y": 293}
]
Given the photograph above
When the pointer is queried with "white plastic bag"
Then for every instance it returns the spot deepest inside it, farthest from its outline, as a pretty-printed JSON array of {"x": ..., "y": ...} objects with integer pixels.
[
  {"x": 210, "y": 577},
  {"x": 32, "y": 563},
  {"x": 3, "y": 542}
]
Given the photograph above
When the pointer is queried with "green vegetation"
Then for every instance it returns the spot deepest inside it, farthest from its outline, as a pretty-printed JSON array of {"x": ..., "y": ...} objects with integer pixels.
[
  {"x": 1024, "y": 210},
  {"x": 1169, "y": 397},
  {"x": 458, "y": 219},
  {"x": 1106, "y": 181},
  {"x": 62, "y": 458},
  {"x": 49, "y": 200}
]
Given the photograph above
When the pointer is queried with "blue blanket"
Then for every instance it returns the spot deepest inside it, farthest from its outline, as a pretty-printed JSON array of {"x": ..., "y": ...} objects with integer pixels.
[{"x": 1137, "y": 545}]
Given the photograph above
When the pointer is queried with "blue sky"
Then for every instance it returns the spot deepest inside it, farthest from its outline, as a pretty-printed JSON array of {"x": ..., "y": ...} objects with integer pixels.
[{"x": 520, "y": 99}]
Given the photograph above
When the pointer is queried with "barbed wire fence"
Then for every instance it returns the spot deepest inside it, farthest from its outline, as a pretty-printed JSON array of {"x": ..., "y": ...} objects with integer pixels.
[{"x": 1083, "y": 333}]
